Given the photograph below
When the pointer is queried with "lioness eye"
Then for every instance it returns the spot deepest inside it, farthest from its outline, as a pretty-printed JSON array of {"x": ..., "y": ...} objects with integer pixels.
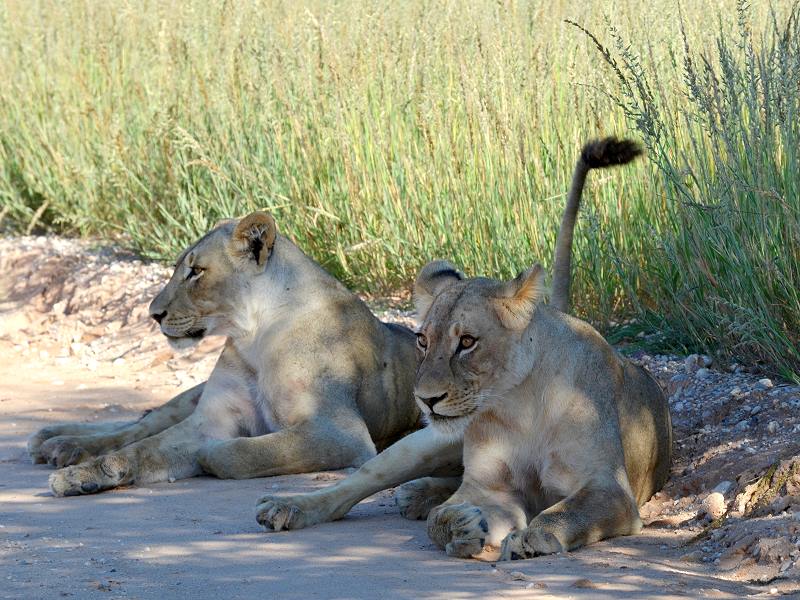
[
  {"x": 422, "y": 341},
  {"x": 194, "y": 272},
  {"x": 466, "y": 342}
]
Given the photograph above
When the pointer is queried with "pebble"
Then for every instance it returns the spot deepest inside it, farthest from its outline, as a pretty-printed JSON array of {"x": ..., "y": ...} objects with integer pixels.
[
  {"x": 702, "y": 374},
  {"x": 765, "y": 383},
  {"x": 773, "y": 426},
  {"x": 678, "y": 407},
  {"x": 755, "y": 410}
]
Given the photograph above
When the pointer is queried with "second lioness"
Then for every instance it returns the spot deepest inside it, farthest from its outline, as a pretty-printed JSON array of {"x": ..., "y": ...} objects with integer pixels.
[
  {"x": 308, "y": 380},
  {"x": 562, "y": 437}
]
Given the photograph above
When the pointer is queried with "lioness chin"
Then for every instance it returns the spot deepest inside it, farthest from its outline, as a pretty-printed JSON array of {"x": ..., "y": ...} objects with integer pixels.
[
  {"x": 308, "y": 380},
  {"x": 561, "y": 437}
]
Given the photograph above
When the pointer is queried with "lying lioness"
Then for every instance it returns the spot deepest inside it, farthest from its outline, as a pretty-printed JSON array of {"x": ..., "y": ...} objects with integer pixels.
[
  {"x": 308, "y": 380},
  {"x": 562, "y": 437}
]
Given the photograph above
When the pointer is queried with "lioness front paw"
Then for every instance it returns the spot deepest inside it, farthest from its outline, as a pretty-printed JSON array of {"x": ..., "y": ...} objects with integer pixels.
[
  {"x": 101, "y": 474},
  {"x": 529, "y": 542},
  {"x": 63, "y": 451},
  {"x": 461, "y": 529},
  {"x": 288, "y": 512}
]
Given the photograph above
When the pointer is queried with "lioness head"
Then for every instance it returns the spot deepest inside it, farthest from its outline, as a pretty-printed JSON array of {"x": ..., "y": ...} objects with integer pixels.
[
  {"x": 469, "y": 344},
  {"x": 205, "y": 290}
]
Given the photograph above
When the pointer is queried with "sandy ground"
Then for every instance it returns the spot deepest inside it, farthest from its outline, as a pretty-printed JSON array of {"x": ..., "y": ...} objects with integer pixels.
[{"x": 198, "y": 538}]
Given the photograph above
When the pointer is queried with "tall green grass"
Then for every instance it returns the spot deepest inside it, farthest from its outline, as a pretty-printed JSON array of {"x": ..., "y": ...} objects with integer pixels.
[
  {"x": 726, "y": 274},
  {"x": 385, "y": 134}
]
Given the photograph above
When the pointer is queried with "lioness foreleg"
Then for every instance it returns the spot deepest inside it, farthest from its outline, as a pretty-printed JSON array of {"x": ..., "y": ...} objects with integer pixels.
[
  {"x": 73, "y": 446},
  {"x": 424, "y": 452},
  {"x": 593, "y": 513}
]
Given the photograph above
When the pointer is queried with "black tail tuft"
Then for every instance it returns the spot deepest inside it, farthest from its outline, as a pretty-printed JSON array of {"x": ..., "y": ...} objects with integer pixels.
[{"x": 609, "y": 151}]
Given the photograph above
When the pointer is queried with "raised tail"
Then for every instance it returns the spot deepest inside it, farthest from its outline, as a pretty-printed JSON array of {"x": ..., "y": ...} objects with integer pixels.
[{"x": 597, "y": 154}]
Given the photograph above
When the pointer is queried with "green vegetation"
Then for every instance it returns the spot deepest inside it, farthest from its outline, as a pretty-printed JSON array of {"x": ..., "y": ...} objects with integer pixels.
[{"x": 384, "y": 134}]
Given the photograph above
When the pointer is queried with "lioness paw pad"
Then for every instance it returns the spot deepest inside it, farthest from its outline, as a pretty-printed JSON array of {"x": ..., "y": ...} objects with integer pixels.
[
  {"x": 461, "y": 530},
  {"x": 528, "y": 543},
  {"x": 63, "y": 452},
  {"x": 277, "y": 515}
]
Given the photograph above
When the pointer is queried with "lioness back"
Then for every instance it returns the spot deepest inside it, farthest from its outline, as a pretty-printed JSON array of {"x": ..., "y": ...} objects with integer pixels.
[
  {"x": 642, "y": 409},
  {"x": 646, "y": 431}
]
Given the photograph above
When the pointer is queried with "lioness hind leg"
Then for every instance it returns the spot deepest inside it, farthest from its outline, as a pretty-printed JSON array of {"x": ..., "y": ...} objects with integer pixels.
[
  {"x": 589, "y": 515},
  {"x": 65, "y": 429},
  {"x": 72, "y": 446},
  {"x": 417, "y": 498},
  {"x": 314, "y": 445},
  {"x": 169, "y": 455}
]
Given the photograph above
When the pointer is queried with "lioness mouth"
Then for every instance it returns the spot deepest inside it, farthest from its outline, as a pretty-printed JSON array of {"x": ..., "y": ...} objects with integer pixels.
[
  {"x": 438, "y": 417},
  {"x": 192, "y": 333}
]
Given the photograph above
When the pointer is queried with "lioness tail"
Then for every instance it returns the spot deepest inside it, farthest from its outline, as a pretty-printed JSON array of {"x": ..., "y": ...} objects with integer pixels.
[{"x": 597, "y": 154}]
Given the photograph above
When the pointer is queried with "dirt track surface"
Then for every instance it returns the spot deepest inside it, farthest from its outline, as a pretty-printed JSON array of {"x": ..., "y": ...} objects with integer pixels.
[{"x": 198, "y": 538}]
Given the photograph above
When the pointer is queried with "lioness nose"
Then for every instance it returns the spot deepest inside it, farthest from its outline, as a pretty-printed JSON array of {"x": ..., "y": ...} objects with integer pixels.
[
  {"x": 159, "y": 316},
  {"x": 432, "y": 401}
]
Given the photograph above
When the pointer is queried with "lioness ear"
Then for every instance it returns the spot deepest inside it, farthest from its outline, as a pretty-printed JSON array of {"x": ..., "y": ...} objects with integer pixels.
[
  {"x": 253, "y": 238},
  {"x": 516, "y": 305},
  {"x": 222, "y": 222},
  {"x": 432, "y": 279}
]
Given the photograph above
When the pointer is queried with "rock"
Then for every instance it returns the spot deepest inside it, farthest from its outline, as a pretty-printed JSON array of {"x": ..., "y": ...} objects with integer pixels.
[
  {"x": 677, "y": 383},
  {"x": 702, "y": 373},
  {"x": 723, "y": 487},
  {"x": 690, "y": 363},
  {"x": 678, "y": 407},
  {"x": 765, "y": 383},
  {"x": 714, "y": 506},
  {"x": 755, "y": 410},
  {"x": 773, "y": 426}
]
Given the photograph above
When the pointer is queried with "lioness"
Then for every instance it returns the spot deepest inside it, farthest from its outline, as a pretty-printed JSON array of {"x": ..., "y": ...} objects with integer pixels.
[
  {"x": 562, "y": 437},
  {"x": 308, "y": 380}
]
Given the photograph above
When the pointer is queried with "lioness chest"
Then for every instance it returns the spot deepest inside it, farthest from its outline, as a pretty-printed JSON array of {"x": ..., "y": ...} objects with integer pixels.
[{"x": 518, "y": 455}]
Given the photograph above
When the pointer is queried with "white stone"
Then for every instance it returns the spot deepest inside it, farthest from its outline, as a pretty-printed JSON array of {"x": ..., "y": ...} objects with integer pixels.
[{"x": 714, "y": 505}]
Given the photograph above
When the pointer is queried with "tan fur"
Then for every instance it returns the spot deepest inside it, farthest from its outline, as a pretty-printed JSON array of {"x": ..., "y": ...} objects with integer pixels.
[
  {"x": 562, "y": 437},
  {"x": 309, "y": 379}
]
